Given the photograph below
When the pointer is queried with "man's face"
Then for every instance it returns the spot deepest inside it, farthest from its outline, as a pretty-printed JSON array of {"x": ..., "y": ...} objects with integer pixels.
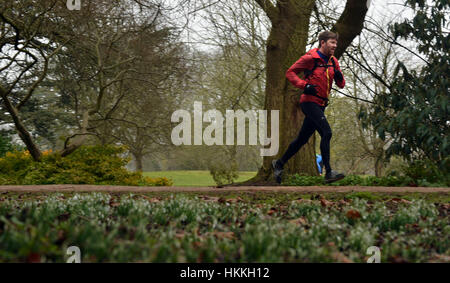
[{"x": 329, "y": 46}]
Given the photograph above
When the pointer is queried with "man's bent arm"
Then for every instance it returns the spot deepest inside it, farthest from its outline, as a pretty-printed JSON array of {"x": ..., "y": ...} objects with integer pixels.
[
  {"x": 304, "y": 63},
  {"x": 340, "y": 84}
]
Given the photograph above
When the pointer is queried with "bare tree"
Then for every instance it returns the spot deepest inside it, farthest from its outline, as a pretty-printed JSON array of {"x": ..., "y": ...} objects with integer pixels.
[{"x": 87, "y": 53}]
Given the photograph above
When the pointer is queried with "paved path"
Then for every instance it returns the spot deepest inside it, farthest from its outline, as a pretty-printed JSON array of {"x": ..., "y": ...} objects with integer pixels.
[{"x": 92, "y": 188}]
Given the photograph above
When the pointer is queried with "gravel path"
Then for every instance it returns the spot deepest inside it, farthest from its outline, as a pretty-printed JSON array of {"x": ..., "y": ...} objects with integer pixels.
[{"x": 92, "y": 188}]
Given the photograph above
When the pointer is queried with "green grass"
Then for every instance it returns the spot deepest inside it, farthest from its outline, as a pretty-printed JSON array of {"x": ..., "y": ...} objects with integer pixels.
[
  {"x": 223, "y": 227},
  {"x": 194, "y": 178}
]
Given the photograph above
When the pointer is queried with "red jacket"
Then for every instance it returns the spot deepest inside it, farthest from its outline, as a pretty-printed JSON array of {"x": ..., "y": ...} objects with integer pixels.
[{"x": 318, "y": 77}]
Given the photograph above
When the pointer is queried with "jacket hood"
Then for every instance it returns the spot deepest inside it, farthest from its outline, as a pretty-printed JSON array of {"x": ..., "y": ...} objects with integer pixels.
[{"x": 313, "y": 53}]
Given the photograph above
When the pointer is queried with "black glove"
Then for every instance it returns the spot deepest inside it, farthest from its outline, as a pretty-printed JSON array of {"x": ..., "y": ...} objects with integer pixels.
[
  {"x": 338, "y": 76},
  {"x": 310, "y": 89}
]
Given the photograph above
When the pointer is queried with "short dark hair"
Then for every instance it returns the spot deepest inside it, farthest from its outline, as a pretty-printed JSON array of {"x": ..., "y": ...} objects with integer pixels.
[{"x": 326, "y": 35}]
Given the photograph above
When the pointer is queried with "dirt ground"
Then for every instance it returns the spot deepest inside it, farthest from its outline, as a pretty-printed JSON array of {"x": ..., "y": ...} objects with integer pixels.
[{"x": 93, "y": 188}]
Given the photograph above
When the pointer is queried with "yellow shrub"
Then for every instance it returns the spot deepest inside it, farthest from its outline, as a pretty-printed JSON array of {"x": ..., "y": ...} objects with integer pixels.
[
  {"x": 147, "y": 181},
  {"x": 101, "y": 165}
]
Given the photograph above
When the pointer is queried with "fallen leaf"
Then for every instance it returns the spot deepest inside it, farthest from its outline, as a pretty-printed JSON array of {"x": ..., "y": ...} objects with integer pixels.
[
  {"x": 209, "y": 198},
  {"x": 113, "y": 203},
  {"x": 235, "y": 200},
  {"x": 353, "y": 214},
  {"x": 325, "y": 202},
  {"x": 340, "y": 257},
  {"x": 221, "y": 235},
  {"x": 271, "y": 211},
  {"x": 151, "y": 200},
  {"x": 299, "y": 221},
  {"x": 221, "y": 200},
  {"x": 399, "y": 200},
  {"x": 343, "y": 202},
  {"x": 397, "y": 259}
]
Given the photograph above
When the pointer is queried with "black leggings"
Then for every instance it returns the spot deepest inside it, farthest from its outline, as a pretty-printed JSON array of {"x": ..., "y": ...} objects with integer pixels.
[{"x": 314, "y": 120}]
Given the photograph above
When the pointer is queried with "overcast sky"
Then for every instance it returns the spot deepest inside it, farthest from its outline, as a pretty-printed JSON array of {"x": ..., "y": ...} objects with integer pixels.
[{"x": 379, "y": 9}]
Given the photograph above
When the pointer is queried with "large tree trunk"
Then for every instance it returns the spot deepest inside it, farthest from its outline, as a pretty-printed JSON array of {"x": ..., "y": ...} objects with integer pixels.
[{"x": 286, "y": 43}]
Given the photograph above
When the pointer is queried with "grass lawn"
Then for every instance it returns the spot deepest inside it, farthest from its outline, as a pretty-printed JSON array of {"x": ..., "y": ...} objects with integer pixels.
[{"x": 197, "y": 178}]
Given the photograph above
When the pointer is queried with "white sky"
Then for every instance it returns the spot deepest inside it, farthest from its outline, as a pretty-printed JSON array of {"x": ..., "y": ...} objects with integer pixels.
[{"x": 379, "y": 9}]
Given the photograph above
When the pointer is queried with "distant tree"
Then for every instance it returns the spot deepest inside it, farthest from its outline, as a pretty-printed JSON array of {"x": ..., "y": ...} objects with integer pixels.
[
  {"x": 415, "y": 110},
  {"x": 28, "y": 41},
  {"x": 83, "y": 53}
]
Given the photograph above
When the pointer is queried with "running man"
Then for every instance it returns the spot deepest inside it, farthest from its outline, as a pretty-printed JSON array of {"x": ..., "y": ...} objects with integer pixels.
[{"x": 320, "y": 68}]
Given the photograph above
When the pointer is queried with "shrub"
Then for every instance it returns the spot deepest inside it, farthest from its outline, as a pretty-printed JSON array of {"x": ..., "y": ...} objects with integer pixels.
[
  {"x": 100, "y": 165},
  {"x": 224, "y": 174},
  {"x": 147, "y": 181},
  {"x": 351, "y": 180},
  {"x": 15, "y": 162},
  {"x": 426, "y": 173}
]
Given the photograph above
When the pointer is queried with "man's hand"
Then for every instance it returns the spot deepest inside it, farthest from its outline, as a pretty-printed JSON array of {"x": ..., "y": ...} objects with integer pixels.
[
  {"x": 338, "y": 76},
  {"x": 310, "y": 89}
]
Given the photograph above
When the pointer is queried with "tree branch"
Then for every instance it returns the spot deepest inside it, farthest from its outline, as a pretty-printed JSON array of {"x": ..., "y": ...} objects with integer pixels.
[
  {"x": 356, "y": 98},
  {"x": 41, "y": 77},
  {"x": 269, "y": 8},
  {"x": 375, "y": 75},
  {"x": 349, "y": 24}
]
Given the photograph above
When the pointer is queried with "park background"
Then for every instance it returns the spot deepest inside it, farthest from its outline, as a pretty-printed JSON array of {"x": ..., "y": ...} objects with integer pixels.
[
  {"x": 86, "y": 98},
  {"x": 113, "y": 74}
]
